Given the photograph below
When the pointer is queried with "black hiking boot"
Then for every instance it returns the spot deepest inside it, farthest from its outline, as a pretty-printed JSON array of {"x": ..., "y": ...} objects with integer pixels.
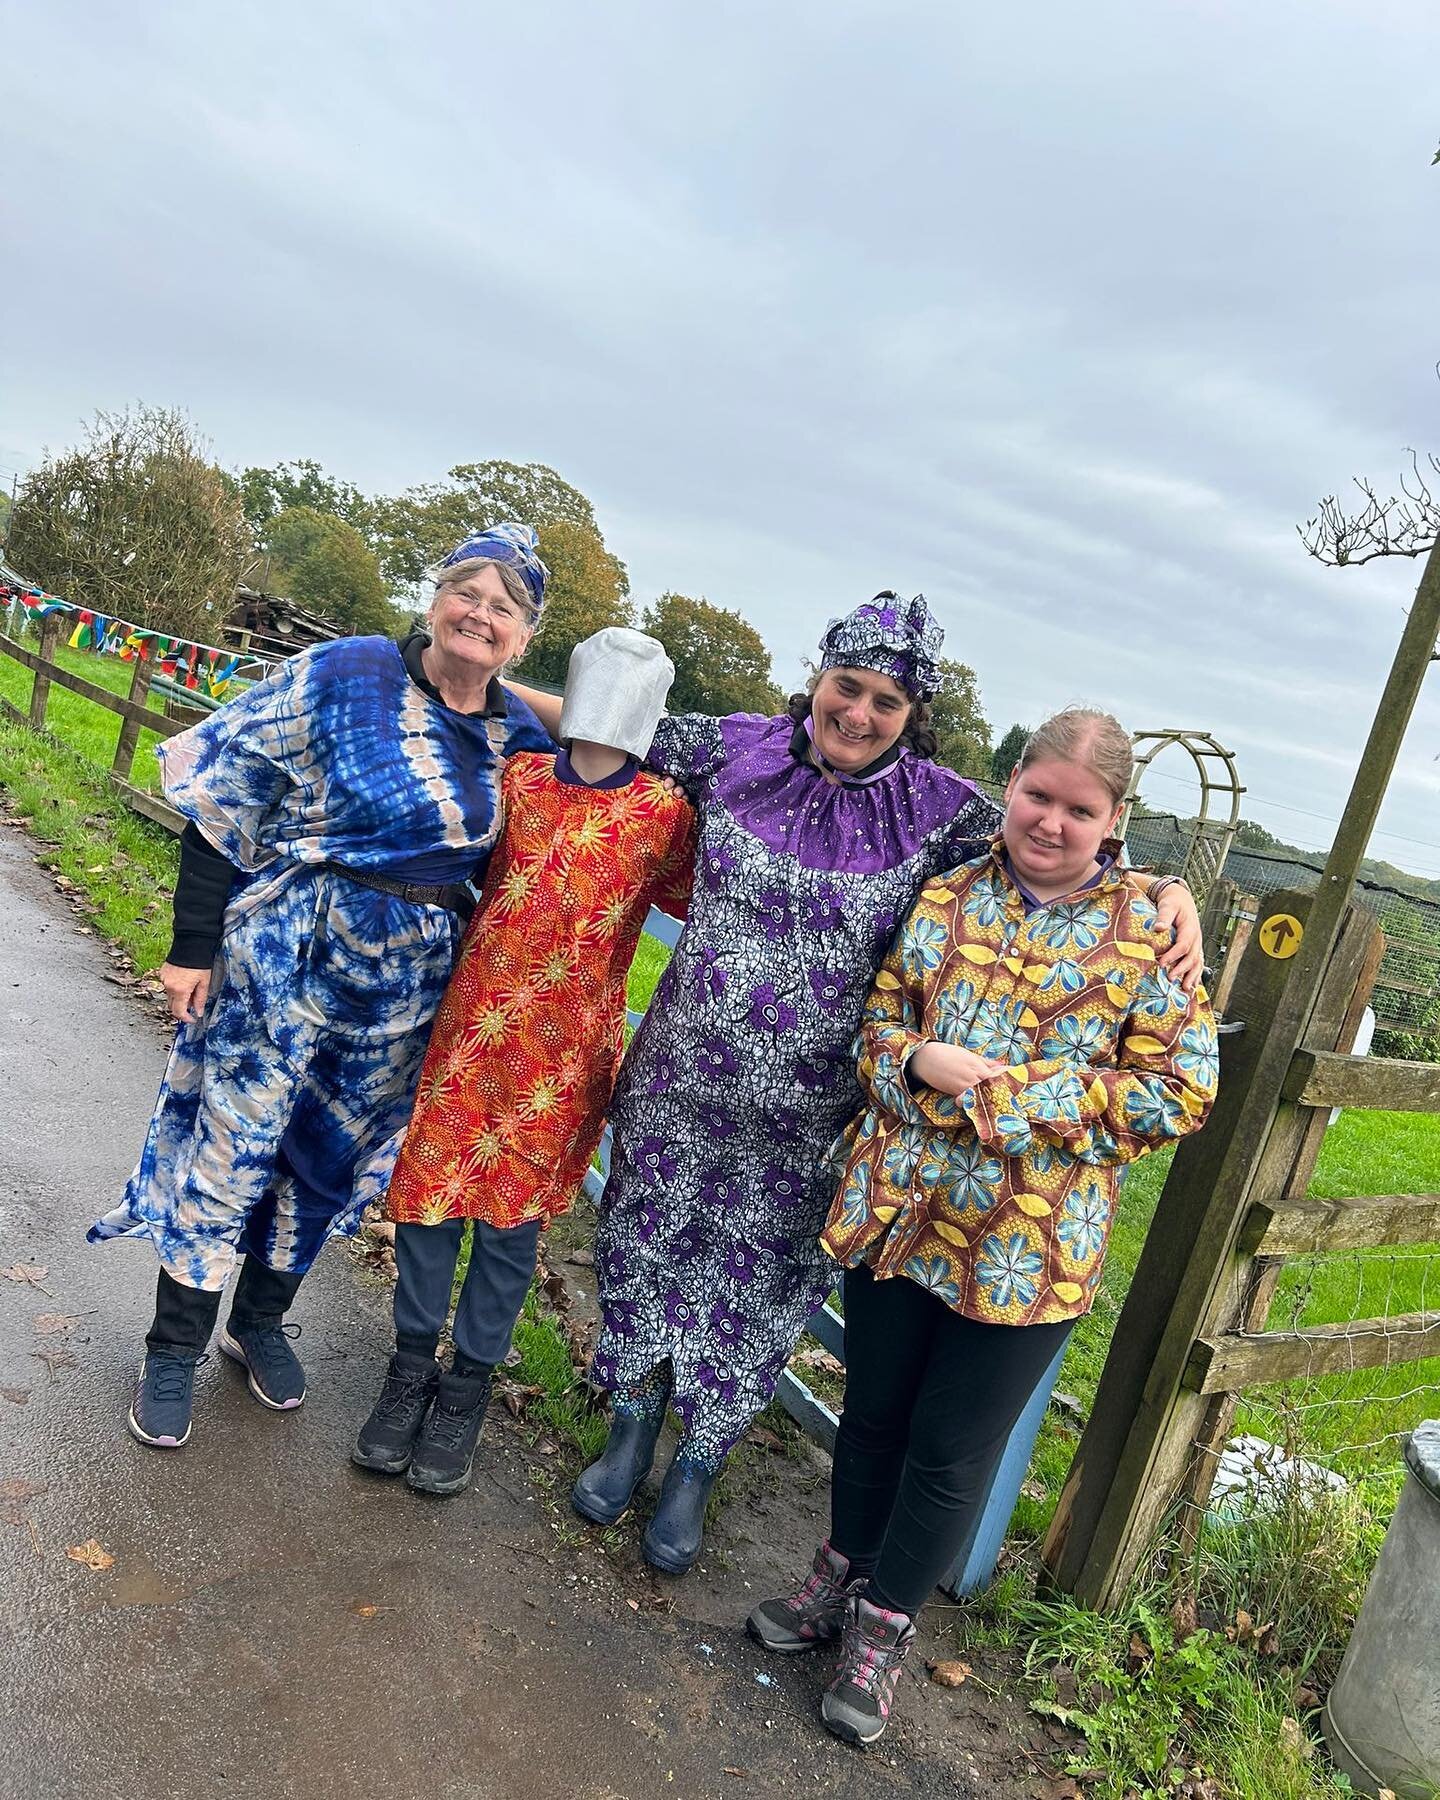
[
  {"x": 814, "y": 1614},
  {"x": 387, "y": 1438},
  {"x": 445, "y": 1451}
]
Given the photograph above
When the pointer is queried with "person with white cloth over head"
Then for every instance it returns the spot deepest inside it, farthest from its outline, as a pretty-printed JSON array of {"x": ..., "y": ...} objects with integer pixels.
[{"x": 527, "y": 1041}]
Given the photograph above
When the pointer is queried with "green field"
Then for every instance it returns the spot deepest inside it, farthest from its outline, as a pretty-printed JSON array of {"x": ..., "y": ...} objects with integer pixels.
[{"x": 86, "y": 727}]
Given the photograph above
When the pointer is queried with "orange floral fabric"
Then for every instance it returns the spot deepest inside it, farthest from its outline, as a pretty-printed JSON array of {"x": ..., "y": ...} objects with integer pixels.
[{"x": 529, "y": 1035}]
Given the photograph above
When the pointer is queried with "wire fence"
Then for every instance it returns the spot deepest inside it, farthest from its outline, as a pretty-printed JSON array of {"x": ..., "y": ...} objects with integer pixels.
[{"x": 1407, "y": 990}]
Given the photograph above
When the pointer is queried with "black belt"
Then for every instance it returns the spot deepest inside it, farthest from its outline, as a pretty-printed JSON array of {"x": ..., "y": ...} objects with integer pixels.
[{"x": 454, "y": 896}]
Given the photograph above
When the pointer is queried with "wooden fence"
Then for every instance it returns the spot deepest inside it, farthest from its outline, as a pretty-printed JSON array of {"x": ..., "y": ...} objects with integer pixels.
[
  {"x": 135, "y": 716},
  {"x": 1191, "y": 1335}
]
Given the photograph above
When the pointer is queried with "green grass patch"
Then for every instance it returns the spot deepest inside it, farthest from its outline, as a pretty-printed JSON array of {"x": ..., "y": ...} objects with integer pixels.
[
  {"x": 1348, "y": 1421},
  {"x": 85, "y": 728},
  {"x": 564, "y": 1404},
  {"x": 124, "y": 865}
]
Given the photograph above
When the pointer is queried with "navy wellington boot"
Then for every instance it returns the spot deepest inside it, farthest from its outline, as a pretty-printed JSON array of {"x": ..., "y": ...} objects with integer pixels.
[
  {"x": 605, "y": 1490},
  {"x": 673, "y": 1538}
]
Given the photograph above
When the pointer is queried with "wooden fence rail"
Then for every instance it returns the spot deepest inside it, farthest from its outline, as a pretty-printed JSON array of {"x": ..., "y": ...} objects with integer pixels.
[
  {"x": 135, "y": 716},
  {"x": 1191, "y": 1332}
]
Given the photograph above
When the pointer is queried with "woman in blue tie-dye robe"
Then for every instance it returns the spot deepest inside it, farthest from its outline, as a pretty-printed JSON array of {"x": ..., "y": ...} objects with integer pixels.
[{"x": 283, "y": 1105}]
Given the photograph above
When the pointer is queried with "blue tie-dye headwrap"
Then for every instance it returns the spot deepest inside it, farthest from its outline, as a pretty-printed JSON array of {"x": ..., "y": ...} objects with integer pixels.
[
  {"x": 894, "y": 637},
  {"x": 514, "y": 545}
]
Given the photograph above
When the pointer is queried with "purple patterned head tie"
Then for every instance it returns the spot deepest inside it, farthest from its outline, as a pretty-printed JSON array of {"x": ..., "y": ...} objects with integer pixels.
[
  {"x": 517, "y": 546},
  {"x": 894, "y": 637}
]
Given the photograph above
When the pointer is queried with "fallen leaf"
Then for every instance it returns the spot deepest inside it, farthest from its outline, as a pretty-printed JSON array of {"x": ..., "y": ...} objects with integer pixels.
[
  {"x": 91, "y": 1554},
  {"x": 1185, "y": 1617},
  {"x": 45, "y": 1323},
  {"x": 367, "y": 1611},
  {"x": 17, "y": 1396},
  {"x": 1385, "y": 1794},
  {"x": 948, "y": 1674},
  {"x": 1267, "y": 1639},
  {"x": 1140, "y": 1654},
  {"x": 56, "y": 1358},
  {"x": 765, "y": 1438},
  {"x": 582, "y": 1259},
  {"x": 1058, "y": 1787},
  {"x": 1243, "y": 1630},
  {"x": 1292, "y": 1738},
  {"x": 1306, "y": 1699},
  {"x": 20, "y": 1489},
  {"x": 730, "y": 1769},
  {"x": 31, "y": 1273},
  {"x": 634, "y": 1605}
]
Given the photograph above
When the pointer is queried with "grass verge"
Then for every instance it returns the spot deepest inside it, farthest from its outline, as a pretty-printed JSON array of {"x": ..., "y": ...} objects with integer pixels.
[{"x": 122, "y": 867}]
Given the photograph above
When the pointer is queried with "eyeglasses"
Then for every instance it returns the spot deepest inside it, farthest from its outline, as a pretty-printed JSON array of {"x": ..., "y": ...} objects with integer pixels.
[{"x": 504, "y": 610}]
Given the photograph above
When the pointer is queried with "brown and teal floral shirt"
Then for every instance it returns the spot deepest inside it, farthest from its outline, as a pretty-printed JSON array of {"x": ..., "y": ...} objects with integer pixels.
[{"x": 999, "y": 1200}]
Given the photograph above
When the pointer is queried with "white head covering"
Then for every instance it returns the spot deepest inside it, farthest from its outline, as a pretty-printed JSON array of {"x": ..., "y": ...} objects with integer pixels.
[{"x": 615, "y": 691}]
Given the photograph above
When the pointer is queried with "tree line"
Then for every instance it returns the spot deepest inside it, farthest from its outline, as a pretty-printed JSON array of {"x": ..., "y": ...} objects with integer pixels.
[{"x": 138, "y": 521}]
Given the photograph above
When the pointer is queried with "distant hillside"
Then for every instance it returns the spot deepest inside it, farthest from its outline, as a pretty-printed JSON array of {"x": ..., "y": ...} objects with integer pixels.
[{"x": 1160, "y": 837}]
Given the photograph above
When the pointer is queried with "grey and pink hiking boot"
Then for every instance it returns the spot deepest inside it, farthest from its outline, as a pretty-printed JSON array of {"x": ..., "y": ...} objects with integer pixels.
[
  {"x": 813, "y": 1614},
  {"x": 873, "y": 1644}
]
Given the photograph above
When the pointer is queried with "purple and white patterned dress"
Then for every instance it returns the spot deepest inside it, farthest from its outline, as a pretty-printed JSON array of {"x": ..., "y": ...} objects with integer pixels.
[{"x": 743, "y": 1071}]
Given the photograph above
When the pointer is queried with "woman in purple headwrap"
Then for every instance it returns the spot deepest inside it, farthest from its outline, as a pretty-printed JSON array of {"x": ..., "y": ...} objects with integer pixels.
[{"x": 816, "y": 833}]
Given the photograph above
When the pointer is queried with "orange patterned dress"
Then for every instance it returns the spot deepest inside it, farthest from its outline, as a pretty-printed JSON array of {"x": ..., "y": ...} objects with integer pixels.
[{"x": 529, "y": 1035}]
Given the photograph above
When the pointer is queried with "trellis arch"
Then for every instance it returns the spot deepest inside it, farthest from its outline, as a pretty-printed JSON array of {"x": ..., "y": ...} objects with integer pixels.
[{"x": 1214, "y": 829}]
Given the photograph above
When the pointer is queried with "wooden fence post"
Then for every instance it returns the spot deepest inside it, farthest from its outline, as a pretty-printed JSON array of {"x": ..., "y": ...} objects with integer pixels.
[
  {"x": 1291, "y": 991},
  {"x": 1285, "y": 1169},
  {"x": 1137, "y": 1446},
  {"x": 1248, "y": 908},
  {"x": 130, "y": 725},
  {"x": 40, "y": 692}
]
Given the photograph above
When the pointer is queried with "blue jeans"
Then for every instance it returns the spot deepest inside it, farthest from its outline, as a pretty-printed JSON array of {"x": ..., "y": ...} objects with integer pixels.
[{"x": 501, "y": 1264}]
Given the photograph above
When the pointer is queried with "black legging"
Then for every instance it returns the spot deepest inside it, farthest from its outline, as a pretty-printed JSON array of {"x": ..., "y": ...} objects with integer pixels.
[{"x": 930, "y": 1399}]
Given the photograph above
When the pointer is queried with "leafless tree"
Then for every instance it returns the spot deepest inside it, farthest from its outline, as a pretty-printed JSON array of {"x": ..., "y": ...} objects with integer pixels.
[{"x": 1405, "y": 524}]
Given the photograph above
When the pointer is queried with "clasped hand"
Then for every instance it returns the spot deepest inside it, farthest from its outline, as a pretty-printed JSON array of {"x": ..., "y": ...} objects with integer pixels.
[{"x": 949, "y": 1069}]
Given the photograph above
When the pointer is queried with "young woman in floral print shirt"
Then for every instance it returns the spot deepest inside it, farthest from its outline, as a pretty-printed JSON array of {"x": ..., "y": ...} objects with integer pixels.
[{"x": 1020, "y": 1044}]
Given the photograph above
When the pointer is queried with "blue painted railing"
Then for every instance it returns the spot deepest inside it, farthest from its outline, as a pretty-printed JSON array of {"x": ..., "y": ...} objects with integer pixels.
[{"x": 975, "y": 1564}]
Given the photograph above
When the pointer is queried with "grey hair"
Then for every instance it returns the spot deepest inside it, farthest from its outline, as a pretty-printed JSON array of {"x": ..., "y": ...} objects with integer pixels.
[
  {"x": 1093, "y": 739},
  {"x": 514, "y": 586}
]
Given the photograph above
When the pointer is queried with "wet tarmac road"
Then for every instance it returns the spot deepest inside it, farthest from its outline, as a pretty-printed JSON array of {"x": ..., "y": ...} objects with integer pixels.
[{"x": 276, "y": 1623}]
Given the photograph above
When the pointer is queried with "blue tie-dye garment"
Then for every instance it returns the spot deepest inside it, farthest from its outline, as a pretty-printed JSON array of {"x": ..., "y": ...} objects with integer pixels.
[{"x": 281, "y": 1110}]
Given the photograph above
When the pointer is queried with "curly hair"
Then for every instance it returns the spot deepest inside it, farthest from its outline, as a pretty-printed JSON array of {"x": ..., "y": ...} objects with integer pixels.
[{"x": 918, "y": 735}]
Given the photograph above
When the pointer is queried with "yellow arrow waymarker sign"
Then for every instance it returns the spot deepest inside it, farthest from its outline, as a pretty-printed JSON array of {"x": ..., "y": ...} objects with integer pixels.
[{"x": 1280, "y": 935}]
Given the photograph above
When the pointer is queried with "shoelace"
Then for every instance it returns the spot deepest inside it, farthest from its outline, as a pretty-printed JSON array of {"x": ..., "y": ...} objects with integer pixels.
[
  {"x": 399, "y": 1391},
  {"x": 269, "y": 1340},
  {"x": 447, "y": 1426},
  {"x": 817, "y": 1588},
  {"x": 169, "y": 1377},
  {"x": 875, "y": 1664}
]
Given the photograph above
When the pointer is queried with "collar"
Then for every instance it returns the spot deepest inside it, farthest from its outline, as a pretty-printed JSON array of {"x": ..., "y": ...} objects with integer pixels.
[
  {"x": 565, "y": 772},
  {"x": 802, "y": 748},
  {"x": 412, "y": 649},
  {"x": 1108, "y": 857}
]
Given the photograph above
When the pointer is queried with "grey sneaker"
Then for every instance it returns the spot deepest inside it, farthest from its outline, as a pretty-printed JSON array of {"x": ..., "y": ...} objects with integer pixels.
[
  {"x": 873, "y": 1644},
  {"x": 813, "y": 1614}
]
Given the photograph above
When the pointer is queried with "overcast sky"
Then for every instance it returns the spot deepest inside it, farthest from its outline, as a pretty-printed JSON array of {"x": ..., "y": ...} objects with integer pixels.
[{"x": 1063, "y": 314}]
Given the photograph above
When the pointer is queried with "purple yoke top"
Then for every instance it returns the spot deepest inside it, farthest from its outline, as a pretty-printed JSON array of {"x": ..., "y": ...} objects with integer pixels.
[{"x": 743, "y": 1070}]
